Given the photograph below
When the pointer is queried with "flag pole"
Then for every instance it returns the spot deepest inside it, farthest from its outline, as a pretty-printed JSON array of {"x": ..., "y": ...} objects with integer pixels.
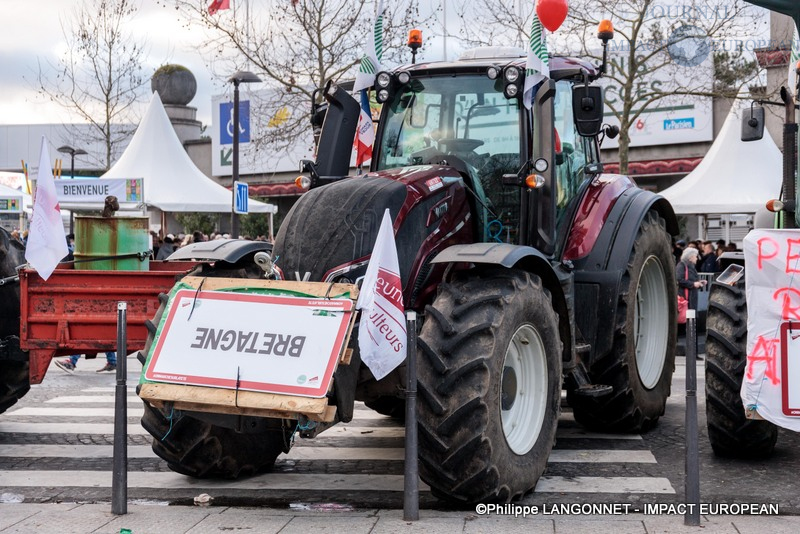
[{"x": 411, "y": 474}]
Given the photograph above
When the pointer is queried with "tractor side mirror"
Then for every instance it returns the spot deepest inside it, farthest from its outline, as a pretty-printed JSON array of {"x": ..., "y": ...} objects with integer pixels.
[
  {"x": 587, "y": 108},
  {"x": 753, "y": 124}
]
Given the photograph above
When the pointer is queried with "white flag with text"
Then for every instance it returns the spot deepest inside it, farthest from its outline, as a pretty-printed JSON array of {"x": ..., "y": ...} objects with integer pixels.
[
  {"x": 382, "y": 328},
  {"x": 47, "y": 243}
]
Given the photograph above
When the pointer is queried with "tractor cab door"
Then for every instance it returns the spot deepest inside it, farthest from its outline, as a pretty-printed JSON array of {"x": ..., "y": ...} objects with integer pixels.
[{"x": 572, "y": 151}]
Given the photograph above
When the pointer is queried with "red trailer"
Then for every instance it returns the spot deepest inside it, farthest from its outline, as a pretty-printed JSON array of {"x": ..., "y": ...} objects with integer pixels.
[{"x": 75, "y": 311}]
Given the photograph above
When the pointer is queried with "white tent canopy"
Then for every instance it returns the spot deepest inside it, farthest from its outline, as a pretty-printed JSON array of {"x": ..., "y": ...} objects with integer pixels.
[
  {"x": 171, "y": 181},
  {"x": 734, "y": 176}
]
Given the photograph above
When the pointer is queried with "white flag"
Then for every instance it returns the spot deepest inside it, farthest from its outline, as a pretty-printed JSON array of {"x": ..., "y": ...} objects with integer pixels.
[
  {"x": 371, "y": 60},
  {"x": 794, "y": 57},
  {"x": 382, "y": 329},
  {"x": 47, "y": 243},
  {"x": 537, "y": 66}
]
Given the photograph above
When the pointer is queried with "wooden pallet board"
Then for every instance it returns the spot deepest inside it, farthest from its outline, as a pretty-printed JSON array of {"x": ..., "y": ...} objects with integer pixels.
[
  {"x": 227, "y": 401},
  {"x": 314, "y": 289}
]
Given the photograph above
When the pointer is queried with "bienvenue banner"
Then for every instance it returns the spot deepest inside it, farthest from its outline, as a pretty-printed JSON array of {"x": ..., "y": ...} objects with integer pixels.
[{"x": 95, "y": 191}]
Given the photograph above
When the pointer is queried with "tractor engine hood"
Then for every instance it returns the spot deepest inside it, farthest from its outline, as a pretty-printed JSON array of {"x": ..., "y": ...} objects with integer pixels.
[{"x": 331, "y": 230}]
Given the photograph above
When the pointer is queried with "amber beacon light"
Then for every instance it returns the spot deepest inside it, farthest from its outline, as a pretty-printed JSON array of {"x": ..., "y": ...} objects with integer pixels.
[{"x": 414, "y": 43}]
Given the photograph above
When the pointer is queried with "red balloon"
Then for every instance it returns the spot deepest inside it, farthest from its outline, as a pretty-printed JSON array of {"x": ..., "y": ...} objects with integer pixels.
[{"x": 552, "y": 13}]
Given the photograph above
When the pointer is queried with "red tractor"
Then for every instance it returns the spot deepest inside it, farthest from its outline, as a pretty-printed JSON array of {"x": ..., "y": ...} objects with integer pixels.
[{"x": 532, "y": 271}]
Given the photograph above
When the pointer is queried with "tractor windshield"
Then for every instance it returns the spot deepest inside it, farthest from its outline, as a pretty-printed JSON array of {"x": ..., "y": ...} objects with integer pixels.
[{"x": 468, "y": 123}]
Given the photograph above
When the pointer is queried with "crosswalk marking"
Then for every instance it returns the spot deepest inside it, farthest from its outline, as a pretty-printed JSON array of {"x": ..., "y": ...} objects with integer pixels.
[
  {"x": 66, "y": 428},
  {"x": 301, "y": 452},
  {"x": 90, "y": 399},
  {"x": 338, "y": 430},
  {"x": 169, "y": 480},
  {"x": 98, "y": 402},
  {"x": 72, "y": 412},
  {"x": 135, "y": 411}
]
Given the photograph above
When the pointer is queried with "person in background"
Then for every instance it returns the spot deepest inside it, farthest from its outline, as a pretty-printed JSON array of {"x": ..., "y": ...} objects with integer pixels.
[
  {"x": 708, "y": 263},
  {"x": 166, "y": 248},
  {"x": 677, "y": 249},
  {"x": 686, "y": 273},
  {"x": 70, "y": 363},
  {"x": 70, "y": 248}
]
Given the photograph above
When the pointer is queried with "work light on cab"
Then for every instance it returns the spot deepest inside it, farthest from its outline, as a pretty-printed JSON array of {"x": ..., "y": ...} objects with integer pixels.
[
  {"x": 511, "y": 74},
  {"x": 383, "y": 80}
]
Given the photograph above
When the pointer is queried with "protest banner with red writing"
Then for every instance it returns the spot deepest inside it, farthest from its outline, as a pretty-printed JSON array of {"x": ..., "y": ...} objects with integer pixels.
[
  {"x": 771, "y": 385},
  {"x": 382, "y": 330}
]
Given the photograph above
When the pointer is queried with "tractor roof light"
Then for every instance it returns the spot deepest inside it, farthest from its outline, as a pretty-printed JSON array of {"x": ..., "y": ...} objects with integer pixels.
[
  {"x": 382, "y": 96},
  {"x": 403, "y": 77},
  {"x": 302, "y": 182},
  {"x": 511, "y": 74},
  {"x": 511, "y": 91},
  {"x": 534, "y": 181},
  {"x": 605, "y": 30},
  {"x": 493, "y": 72},
  {"x": 383, "y": 80}
]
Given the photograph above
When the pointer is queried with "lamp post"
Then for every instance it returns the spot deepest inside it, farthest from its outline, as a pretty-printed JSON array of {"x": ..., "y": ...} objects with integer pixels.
[
  {"x": 241, "y": 76},
  {"x": 66, "y": 149}
]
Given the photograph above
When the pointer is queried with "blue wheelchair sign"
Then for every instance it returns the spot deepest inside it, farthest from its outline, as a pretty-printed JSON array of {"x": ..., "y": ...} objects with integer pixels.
[
  {"x": 226, "y": 122},
  {"x": 241, "y": 190}
]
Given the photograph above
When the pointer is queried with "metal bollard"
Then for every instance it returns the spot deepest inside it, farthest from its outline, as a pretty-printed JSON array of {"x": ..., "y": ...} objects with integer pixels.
[
  {"x": 411, "y": 474},
  {"x": 119, "y": 477},
  {"x": 692, "y": 484}
]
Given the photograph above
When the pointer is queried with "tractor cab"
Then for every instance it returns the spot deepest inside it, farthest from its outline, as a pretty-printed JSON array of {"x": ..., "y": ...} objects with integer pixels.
[{"x": 468, "y": 115}]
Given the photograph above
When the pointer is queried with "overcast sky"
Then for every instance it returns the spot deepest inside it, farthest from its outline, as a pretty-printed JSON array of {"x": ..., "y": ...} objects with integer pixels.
[{"x": 30, "y": 32}]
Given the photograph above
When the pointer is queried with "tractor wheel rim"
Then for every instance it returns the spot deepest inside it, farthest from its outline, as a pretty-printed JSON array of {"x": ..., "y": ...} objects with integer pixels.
[
  {"x": 651, "y": 322},
  {"x": 523, "y": 389}
]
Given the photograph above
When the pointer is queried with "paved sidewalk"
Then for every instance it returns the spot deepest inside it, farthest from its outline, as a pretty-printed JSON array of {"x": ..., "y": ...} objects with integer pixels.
[{"x": 157, "y": 519}]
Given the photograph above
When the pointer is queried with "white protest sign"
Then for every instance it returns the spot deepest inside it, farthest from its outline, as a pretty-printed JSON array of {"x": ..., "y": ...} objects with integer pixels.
[
  {"x": 772, "y": 377},
  {"x": 255, "y": 342}
]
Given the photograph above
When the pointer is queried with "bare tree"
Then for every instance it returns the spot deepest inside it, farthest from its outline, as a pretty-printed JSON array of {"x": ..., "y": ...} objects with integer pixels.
[
  {"x": 99, "y": 76},
  {"x": 653, "y": 41},
  {"x": 295, "y": 46}
]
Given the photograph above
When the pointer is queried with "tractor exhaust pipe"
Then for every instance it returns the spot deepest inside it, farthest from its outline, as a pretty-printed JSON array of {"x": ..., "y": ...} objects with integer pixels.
[{"x": 336, "y": 138}]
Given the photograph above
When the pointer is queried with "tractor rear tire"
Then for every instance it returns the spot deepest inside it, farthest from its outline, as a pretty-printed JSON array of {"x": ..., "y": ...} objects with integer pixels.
[
  {"x": 489, "y": 386},
  {"x": 14, "y": 374},
  {"x": 200, "y": 449},
  {"x": 731, "y": 434},
  {"x": 640, "y": 364}
]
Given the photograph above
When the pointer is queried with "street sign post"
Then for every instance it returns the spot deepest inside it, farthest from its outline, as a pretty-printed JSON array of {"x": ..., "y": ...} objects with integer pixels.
[{"x": 241, "y": 192}]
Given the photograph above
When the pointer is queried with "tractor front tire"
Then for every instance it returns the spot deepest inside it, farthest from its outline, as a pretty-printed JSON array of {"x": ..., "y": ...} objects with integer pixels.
[
  {"x": 196, "y": 448},
  {"x": 731, "y": 434},
  {"x": 489, "y": 386},
  {"x": 640, "y": 365}
]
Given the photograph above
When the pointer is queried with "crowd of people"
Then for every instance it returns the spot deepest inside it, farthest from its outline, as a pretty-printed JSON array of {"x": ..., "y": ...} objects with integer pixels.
[
  {"x": 693, "y": 258},
  {"x": 708, "y": 253},
  {"x": 164, "y": 245}
]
